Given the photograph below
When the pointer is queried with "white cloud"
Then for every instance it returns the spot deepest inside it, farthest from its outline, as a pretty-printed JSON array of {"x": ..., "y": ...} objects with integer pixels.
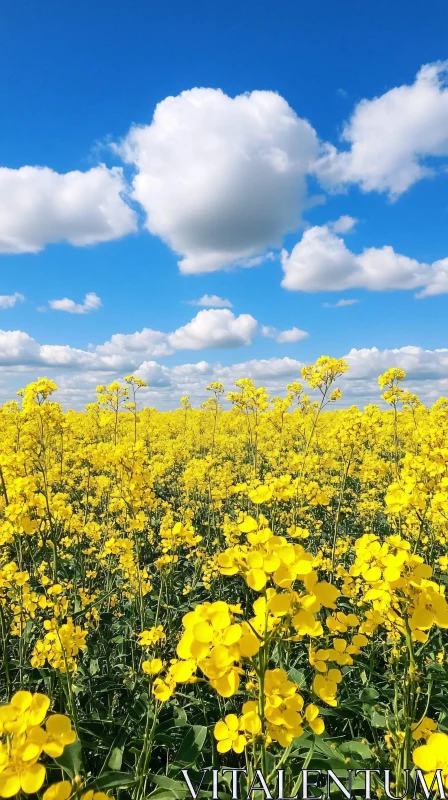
[
  {"x": 321, "y": 261},
  {"x": 131, "y": 348},
  {"x": 438, "y": 284},
  {"x": 392, "y": 136},
  {"x": 9, "y": 300},
  {"x": 154, "y": 374},
  {"x": 426, "y": 372},
  {"x": 344, "y": 224},
  {"x": 270, "y": 370},
  {"x": 211, "y": 328},
  {"x": 39, "y": 206},
  {"x": 17, "y": 347},
  {"x": 91, "y": 302},
  {"x": 427, "y": 375},
  {"x": 255, "y": 261},
  {"x": 62, "y": 355},
  {"x": 417, "y": 363},
  {"x": 291, "y": 335},
  {"x": 268, "y": 331},
  {"x": 221, "y": 178},
  {"x": 20, "y": 355},
  {"x": 342, "y": 303},
  {"x": 211, "y": 301},
  {"x": 383, "y": 268},
  {"x": 214, "y": 328}
]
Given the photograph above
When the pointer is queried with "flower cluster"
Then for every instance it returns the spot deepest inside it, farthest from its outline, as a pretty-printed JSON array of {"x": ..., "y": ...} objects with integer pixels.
[{"x": 25, "y": 738}]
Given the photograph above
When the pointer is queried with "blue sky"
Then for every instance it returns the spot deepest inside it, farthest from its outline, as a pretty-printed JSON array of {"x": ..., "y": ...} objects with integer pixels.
[{"x": 77, "y": 77}]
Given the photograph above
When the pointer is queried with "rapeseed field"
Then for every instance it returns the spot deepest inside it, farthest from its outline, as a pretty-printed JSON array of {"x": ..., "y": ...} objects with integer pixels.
[{"x": 260, "y": 586}]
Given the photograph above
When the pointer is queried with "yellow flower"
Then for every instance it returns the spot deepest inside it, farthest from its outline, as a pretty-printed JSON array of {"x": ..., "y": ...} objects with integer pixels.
[
  {"x": 151, "y": 637},
  {"x": 227, "y": 734},
  {"x": 432, "y": 755},
  {"x": 182, "y": 671},
  {"x": 262, "y": 494},
  {"x": 250, "y": 720},
  {"x": 326, "y": 686},
  {"x": 20, "y": 775},
  {"x": 153, "y": 666},
  {"x": 315, "y": 722},
  {"x": 424, "y": 728},
  {"x": 92, "y": 795},
  {"x": 58, "y": 733},
  {"x": 163, "y": 689},
  {"x": 58, "y": 791}
]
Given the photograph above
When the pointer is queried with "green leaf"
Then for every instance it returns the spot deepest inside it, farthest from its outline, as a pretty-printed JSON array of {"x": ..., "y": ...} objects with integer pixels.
[
  {"x": 116, "y": 758},
  {"x": 297, "y": 676},
  {"x": 191, "y": 746},
  {"x": 440, "y": 703},
  {"x": 301, "y": 742},
  {"x": 176, "y": 788},
  {"x": 71, "y": 759},
  {"x": 270, "y": 762},
  {"x": 378, "y": 720},
  {"x": 171, "y": 725},
  {"x": 357, "y": 748},
  {"x": 114, "y": 780},
  {"x": 139, "y": 708},
  {"x": 368, "y": 695},
  {"x": 329, "y": 749},
  {"x": 181, "y": 716},
  {"x": 343, "y": 712},
  {"x": 93, "y": 666},
  {"x": 163, "y": 794},
  {"x": 163, "y": 738}
]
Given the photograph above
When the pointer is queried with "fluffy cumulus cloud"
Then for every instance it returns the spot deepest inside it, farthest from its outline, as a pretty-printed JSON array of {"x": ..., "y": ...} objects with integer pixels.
[
  {"x": 77, "y": 369},
  {"x": 18, "y": 348},
  {"x": 132, "y": 348},
  {"x": 419, "y": 364},
  {"x": 283, "y": 337},
  {"x": 427, "y": 373},
  {"x": 214, "y": 328},
  {"x": 192, "y": 378},
  {"x": 9, "y": 300},
  {"x": 221, "y": 178},
  {"x": 291, "y": 335},
  {"x": 62, "y": 355},
  {"x": 39, "y": 206},
  {"x": 344, "y": 224},
  {"x": 211, "y": 301},
  {"x": 155, "y": 375},
  {"x": 392, "y": 137},
  {"x": 438, "y": 282},
  {"x": 272, "y": 371},
  {"x": 321, "y": 261},
  {"x": 91, "y": 302}
]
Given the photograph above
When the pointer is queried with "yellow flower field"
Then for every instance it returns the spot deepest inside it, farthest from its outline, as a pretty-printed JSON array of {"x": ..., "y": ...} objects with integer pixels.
[{"x": 261, "y": 587}]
